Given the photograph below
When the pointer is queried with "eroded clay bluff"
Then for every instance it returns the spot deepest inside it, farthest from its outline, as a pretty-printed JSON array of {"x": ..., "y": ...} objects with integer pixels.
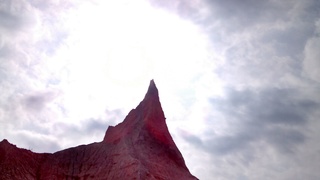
[{"x": 140, "y": 148}]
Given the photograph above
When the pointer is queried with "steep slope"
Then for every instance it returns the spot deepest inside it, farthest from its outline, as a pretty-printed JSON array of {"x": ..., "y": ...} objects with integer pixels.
[{"x": 140, "y": 147}]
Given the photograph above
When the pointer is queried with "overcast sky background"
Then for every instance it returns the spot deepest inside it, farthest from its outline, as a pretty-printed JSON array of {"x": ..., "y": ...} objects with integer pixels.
[{"x": 239, "y": 81}]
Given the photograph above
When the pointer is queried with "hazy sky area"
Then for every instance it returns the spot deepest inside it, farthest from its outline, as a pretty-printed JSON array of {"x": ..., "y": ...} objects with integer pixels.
[{"x": 239, "y": 81}]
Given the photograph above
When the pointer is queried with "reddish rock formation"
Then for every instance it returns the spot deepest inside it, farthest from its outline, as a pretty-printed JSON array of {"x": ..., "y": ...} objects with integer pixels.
[{"x": 140, "y": 147}]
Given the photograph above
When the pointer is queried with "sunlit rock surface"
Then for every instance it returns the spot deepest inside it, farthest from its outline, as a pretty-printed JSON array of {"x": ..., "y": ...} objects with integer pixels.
[{"x": 140, "y": 147}]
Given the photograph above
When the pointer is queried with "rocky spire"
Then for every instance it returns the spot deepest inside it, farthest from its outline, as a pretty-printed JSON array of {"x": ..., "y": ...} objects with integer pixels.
[
  {"x": 140, "y": 147},
  {"x": 152, "y": 90},
  {"x": 148, "y": 115}
]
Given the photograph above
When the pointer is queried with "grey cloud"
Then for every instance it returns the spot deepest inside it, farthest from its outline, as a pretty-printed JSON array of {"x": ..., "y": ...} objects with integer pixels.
[
  {"x": 50, "y": 5},
  {"x": 14, "y": 18},
  {"x": 282, "y": 27},
  {"x": 271, "y": 28},
  {"x": 280, "y": 106},
  {"x": 271, "y": 105},
  {"x": 279, "y": 46},
  {"x": 285, "y": 139},
  {"x": 87, "y": 128},
  {"x": 35, "y": 102},
  {"x": 289, "y": 41},
  {"x": 240, "y": 15},
  {"x": 190, "y": 138},
  {"x": 9, "y": 21},
  {"x": 14, "y": 15},
  {"x": 96, "y": 125},
  {"x": 223, "y": 145},
  {"x": 244, "y": 13},
  {"x": 285, "y": 25},
  {"x": 275, "y": 116},
  {"x": 5, "y": 50},
  {"x": 100, "y": 125},
  {"x": 38, "y": 101},
  {"x": 311, "y": 63}
]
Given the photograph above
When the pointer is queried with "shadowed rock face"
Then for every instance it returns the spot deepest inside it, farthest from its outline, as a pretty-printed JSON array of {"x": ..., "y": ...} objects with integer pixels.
[{"x": 140, "y": 147}]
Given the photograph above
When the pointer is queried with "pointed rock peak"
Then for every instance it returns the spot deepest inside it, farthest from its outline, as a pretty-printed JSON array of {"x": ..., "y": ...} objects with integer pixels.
[
  {"x": 152, "y": 90},
  {"x": 148, "y": 113},
  {"x": 5, "y": 141}
]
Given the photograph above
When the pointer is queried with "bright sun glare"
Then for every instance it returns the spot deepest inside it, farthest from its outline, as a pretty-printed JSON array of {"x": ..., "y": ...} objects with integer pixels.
[
  {"x": 116, "y": 45},
  {"x": 129, "y": 66}
]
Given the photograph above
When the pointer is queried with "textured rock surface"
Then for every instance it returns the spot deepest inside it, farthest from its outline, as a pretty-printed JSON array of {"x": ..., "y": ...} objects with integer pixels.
[{"x": 140, "y": 147}]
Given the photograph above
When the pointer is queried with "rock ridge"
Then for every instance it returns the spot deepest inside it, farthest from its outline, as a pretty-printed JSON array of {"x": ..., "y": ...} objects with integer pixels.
[{"x": 140, "y": 147}]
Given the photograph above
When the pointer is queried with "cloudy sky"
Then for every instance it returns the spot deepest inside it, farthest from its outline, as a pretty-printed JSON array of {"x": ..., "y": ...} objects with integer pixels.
[{"x": 239, "y": 81}]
